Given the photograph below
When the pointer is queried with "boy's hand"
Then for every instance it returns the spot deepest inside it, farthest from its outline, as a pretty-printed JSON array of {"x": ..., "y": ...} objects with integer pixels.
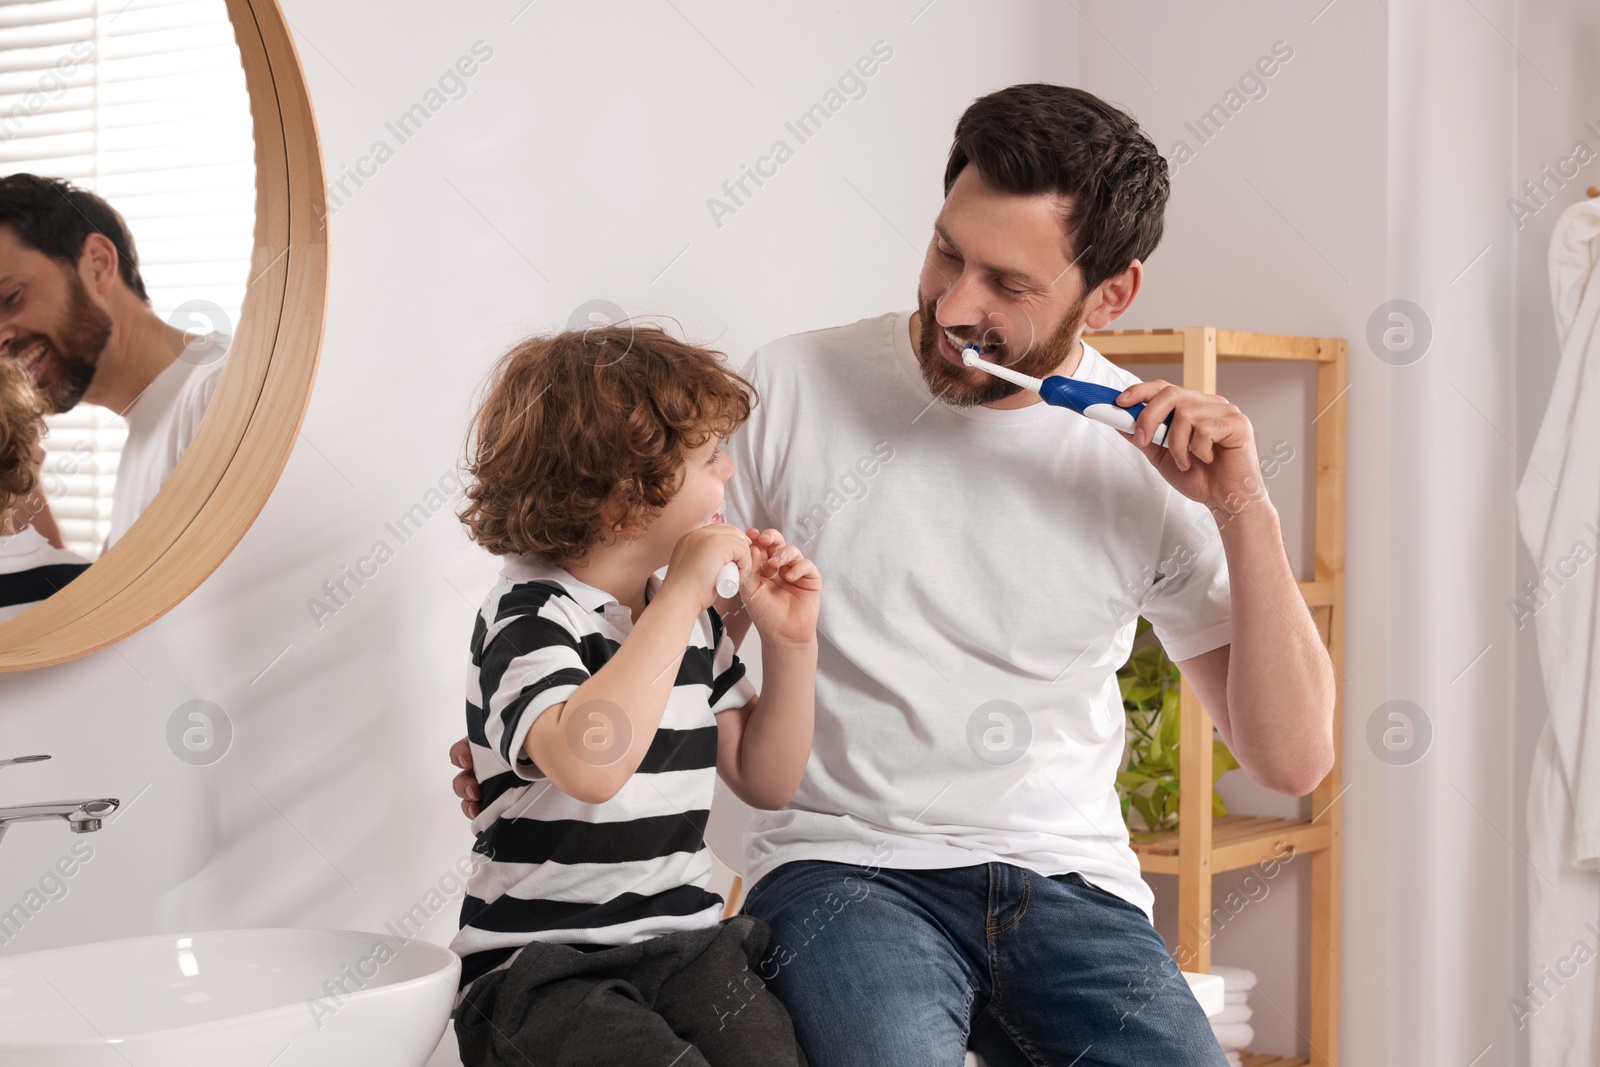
[
  {"x": 699, "y": 555},
  {"x": 782, "y": 590}
]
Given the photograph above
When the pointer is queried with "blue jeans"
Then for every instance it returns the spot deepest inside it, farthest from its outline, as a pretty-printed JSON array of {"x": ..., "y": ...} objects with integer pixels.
[{"x": 904, "y": 968}]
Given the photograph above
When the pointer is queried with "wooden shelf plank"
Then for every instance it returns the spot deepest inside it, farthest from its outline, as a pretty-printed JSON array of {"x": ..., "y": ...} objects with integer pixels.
[
  {"x": 1239, "y": 841},
  {"x": 1267, "y": 1059},
  {"x": 1166, "y": 346},
  {"x": 1244, "y": 345},
  {"x": 1318, "y": 594},
  {"x": 1116, "y": 345}
]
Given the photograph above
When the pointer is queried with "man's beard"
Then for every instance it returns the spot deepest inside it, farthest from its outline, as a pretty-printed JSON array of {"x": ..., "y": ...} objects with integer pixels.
[
  {"x": 967, "y": 386},
  {"x": 84, "y": 329}
]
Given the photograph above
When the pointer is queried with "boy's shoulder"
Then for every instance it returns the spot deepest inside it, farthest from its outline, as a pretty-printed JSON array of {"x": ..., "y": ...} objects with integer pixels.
[
  {"x": 528, "y": 583},
  {"x": 527, "y": 587},
  {"x": 533, "y": 596}
]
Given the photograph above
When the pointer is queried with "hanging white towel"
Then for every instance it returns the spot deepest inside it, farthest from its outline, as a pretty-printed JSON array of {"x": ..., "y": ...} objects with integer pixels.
[
  {"x": 1557, "y": 996},
  {"x": 1558, "y": 511}
]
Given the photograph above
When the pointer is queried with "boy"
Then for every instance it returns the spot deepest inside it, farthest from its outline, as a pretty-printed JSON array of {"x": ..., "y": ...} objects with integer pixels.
[
  {"x": 31, "y": 568},
  {"x": 601, "y": 700}
]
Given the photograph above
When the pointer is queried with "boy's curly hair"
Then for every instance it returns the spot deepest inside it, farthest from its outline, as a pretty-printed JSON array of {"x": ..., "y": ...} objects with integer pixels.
[
  {"x": 22, "y": 411},
  {"x": 572, "y": 418}
]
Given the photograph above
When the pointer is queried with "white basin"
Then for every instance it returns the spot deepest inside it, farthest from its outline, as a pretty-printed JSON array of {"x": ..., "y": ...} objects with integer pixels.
[{"x": 240, "y": 998}]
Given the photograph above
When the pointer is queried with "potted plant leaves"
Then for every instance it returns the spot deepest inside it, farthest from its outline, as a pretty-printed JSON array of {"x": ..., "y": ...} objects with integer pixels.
[{"x": 1148, "y": 782}]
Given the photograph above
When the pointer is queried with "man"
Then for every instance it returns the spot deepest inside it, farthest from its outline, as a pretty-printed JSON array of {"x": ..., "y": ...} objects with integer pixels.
[
  {"x": 954, "y": 869},
  {"x": 75, "y": 314}
]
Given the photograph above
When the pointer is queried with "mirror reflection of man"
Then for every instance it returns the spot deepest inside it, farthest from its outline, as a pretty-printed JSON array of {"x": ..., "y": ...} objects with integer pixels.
[{"x": 74, "y": 313}]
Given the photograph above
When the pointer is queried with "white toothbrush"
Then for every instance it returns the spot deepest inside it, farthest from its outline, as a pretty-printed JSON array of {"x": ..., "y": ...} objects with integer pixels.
[
  {"x": 1098, "y": 402},
  {"x": 728, "y": 576},
  {"x": 728, "y": 579}
]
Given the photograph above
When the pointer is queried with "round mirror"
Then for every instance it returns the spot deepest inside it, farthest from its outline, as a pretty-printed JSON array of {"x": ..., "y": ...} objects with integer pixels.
[{"x": 163, "y": 290}]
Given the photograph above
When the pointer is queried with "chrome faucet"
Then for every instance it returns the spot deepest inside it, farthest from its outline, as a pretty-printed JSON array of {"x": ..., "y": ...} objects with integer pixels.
[{"x": 82, "y": 816}]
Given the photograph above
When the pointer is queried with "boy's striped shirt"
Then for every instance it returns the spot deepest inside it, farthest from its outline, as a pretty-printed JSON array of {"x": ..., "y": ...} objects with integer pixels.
[
  {"x": 32, "y": 569},
  {"x": 561, "y": 870}
]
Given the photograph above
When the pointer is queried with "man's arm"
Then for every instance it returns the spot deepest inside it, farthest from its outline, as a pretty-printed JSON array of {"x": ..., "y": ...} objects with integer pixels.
[
  {"x": 1271, "y": 691},
  {"x": 465, "y": 783}
]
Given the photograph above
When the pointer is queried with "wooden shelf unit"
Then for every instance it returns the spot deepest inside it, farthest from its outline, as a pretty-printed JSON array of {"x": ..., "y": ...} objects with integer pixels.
[{"x": 1201, "y": 846}]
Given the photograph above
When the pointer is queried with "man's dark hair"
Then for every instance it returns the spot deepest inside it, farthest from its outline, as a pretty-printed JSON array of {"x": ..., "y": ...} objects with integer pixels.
[
  {"x": 1039, "y": 138},
  {"x": 53, "y": 216}
]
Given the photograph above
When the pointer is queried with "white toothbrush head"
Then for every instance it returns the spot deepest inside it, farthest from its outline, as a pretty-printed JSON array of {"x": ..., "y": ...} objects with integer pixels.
[{"x": 970, "y": 358}]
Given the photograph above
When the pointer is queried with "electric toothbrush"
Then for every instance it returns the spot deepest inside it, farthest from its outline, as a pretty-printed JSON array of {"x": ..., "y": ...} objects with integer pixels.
[
  {"x": 728, "y": 576},
  {"x": 1098, "y": 402}
]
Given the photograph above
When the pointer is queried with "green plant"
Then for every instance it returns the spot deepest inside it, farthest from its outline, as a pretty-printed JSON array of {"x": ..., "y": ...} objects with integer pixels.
[{"x": 1148, "y": 784}]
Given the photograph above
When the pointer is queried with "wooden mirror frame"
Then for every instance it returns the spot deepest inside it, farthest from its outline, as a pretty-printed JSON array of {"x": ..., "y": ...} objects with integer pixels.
[{"x": 235, "y": 459}]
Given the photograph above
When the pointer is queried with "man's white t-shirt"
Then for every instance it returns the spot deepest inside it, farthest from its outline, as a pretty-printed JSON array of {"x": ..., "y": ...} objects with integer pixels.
[
  {"x": 161, "y": 422},
  {"x": 983, "y": 571}
]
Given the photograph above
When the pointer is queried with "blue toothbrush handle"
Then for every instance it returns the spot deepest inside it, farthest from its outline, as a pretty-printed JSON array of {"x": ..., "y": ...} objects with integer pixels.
[{"x": 1098, "y": 402}]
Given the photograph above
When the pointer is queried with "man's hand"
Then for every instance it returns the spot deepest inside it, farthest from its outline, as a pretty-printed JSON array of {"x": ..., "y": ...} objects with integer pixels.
[
  {"x": 466, "y": 786},
  {"x": 1205, "y": 427}
]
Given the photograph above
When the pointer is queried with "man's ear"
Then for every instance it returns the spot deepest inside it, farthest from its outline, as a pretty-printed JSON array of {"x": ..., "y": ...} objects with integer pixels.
[
  {"x": 97, "y": 264},
  {"x": 1115, "y": 295}
]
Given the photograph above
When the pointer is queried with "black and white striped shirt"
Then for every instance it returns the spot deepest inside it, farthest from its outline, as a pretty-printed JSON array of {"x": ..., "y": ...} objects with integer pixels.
[
  {"x": 558, "y": 869},
  {"x": 31, "y": 570}
]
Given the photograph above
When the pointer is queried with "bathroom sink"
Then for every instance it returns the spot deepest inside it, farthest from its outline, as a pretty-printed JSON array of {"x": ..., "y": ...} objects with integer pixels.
[{"x": 244, "y": 998}]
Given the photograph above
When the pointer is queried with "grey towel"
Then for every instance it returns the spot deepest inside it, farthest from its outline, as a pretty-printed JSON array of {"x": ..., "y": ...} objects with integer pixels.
[{"x": 687, "y": 999}]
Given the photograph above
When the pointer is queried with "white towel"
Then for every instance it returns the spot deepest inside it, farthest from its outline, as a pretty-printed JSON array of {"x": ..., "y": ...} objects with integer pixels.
[
  {"x": 1234, "y": 1035},
  {"x": 1236, "y": 997},
  {"x": 1563, "y": 813},
  {"x": 1555, "y": 518},
  {"x": 1233, "y": 1013},
  {"x": 1233, "y": 1059},
  {"x": 1235, "y": 978}
]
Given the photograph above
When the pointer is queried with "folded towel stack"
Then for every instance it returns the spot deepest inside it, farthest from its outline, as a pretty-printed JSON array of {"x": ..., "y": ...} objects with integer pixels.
[{"x": 1232, "y": 1027}]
